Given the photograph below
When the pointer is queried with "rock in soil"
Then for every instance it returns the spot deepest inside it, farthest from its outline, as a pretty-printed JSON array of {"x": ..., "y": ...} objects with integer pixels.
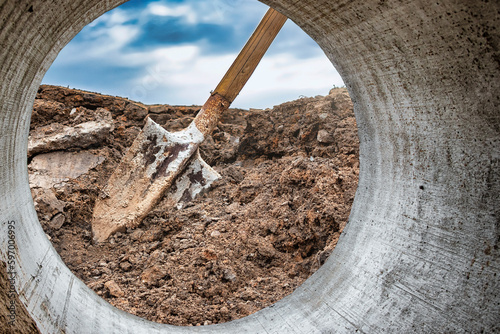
[
  {"x": 56, "y": 136},
  {"x": 289, "y": 175}
]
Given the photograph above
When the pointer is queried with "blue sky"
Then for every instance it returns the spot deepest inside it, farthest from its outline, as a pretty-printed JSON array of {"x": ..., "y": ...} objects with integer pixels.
[{"x": 176, "y": 51}]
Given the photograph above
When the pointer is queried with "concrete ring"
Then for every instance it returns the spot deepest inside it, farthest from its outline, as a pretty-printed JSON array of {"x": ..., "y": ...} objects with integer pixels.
[{"x": 420, "y": 251}]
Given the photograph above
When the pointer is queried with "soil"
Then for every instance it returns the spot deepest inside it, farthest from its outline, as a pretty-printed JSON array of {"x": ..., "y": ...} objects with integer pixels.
[{"x": 289, "y": 175}]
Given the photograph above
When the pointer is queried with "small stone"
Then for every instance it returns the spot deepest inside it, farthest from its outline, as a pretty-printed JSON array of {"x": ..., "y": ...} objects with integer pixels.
[
  {"x": 135, "y": 111},
  {"x": 136, "y": 235},
  {"x": 154, "y": 234},
  {"x": 155, "y": 257},
  {"x": 126, "y": 266},
  {"x": 106, "y": 271},
  {"x": 229, "y": 275},
  {"x": 57, "y": 221},
  {"x": 153, "y": 275},
  {"x": 325, "y": 137},
  {"x": 55, "y": 168},
  {"x": 215, "y": 233},
  {"x": 46, "y": 202},
  {"x": 249, "y": 294},
  {"x": 158, "y": 109},
  {"x": 185, "y": 244},
  {"x": 234, "y": 207},
  {"x": 114, "y": 289},
  {"x": 209, "y": 254},
  {"x": 56, "y": 137},
  {"x": 224, "y": 310}
]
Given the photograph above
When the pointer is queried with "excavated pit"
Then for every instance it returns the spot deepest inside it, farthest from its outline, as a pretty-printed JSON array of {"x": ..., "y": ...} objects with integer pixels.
[
  {"x": 288, "y": 179},
  {"x": 420, "y": 250}
]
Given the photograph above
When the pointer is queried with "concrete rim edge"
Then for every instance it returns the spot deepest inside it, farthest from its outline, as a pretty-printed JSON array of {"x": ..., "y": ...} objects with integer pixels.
[{"x": 420, "y": 253}]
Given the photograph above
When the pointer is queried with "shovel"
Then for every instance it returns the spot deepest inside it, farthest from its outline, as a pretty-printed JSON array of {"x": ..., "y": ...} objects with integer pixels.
[{"x": 159, "y": 160}]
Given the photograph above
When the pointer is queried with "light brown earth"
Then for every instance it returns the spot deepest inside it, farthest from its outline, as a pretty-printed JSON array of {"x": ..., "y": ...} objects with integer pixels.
[{"x": 289, "y": 178}]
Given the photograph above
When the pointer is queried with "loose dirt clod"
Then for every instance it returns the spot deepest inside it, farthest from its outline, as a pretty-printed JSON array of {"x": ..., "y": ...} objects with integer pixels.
[{"x": 289, "y": 175}]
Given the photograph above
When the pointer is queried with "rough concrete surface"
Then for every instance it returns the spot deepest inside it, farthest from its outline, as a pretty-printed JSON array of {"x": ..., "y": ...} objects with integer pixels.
[
  {"x": 420, "y": 252},
  {"x": 13, "y": 315}
]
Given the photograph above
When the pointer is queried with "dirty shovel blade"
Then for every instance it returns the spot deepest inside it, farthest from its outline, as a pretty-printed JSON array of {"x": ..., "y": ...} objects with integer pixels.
[
  {"x": 148, "y": 169},
  {"x": 195, "y": 180}
]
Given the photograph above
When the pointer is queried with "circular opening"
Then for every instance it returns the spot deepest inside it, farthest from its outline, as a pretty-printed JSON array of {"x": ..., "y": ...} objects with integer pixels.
[{"x": 289, "y": 174}]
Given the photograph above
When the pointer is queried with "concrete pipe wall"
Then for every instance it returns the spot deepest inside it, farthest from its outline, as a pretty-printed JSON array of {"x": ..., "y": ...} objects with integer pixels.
[{"x": 420, "y": 251}]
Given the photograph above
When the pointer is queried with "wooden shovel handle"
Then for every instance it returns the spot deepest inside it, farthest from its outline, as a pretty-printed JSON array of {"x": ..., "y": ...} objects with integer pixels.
[
  {"x": 240, "y": 71},
  {"x": 250, "y": 56}
]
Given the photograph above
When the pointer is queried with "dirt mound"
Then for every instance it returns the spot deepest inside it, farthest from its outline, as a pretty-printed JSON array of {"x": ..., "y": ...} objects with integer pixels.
[{"x": 289, "y": 178}]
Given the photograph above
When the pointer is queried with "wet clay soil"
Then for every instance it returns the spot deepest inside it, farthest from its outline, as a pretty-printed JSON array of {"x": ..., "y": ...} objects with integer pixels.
[{"x": 289, "y": 175}]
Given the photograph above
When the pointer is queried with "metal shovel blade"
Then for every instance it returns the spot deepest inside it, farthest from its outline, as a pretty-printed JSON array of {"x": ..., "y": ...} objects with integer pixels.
[
  {"x": 150, "y": 166},
  {"x": 194, "y": 181}
]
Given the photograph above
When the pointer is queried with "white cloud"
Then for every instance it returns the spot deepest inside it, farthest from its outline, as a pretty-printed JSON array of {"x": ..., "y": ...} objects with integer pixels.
[
  {"x": 288, "y": 72},
  {"x": 106, "y": 45},
  {"x": 117, "y": 17},
  {"x": 180, "y": 75},
  {"x": 102, "y": 40},
  {"x": 120, "y": 35},
  {"x": 282, "y": 77},
  {"x": 175, "y": 11},
  {"x": 229, "y": 12},
  {"x": 162, "y": 63}
]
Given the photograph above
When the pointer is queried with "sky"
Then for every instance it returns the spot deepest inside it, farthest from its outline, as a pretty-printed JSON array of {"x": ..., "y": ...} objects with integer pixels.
[{"x": 176, "y": 51}]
